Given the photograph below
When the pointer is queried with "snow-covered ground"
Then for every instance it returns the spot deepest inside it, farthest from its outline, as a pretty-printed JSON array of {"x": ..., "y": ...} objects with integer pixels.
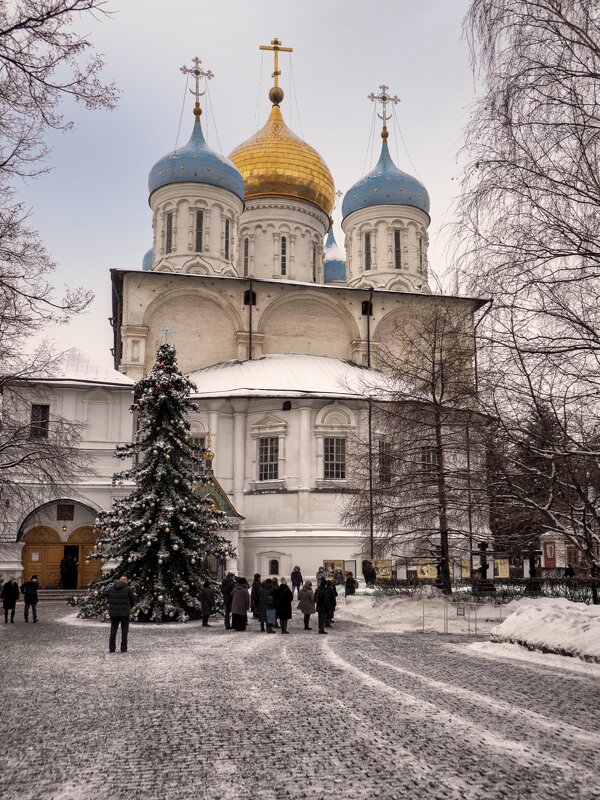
[{"x": 554, "y": 625}]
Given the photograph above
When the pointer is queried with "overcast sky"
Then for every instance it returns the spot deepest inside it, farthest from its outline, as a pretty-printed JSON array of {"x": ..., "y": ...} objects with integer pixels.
[{"x": 92, "y": 208}]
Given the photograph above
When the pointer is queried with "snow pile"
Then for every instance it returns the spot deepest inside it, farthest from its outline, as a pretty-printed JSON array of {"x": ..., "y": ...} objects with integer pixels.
[{"x": 553, "y": 625}]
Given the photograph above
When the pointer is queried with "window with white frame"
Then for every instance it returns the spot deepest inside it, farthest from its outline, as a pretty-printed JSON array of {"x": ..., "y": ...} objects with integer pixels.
[
  {"x": 195, "y": 463},
  {"x": 397, "y": 249},
  {"x": 283, "y": 255},
  {"x": 227, "y": 239},
  {"x": 199, "y": 229},
  {"x": 40, "y": 421},
  {"x": 169, "y": 233},
  {"x": 385, "y": 462},
  {"x": 367, "y": 252},
  {"x": 334, "y": 458},
  {"x": 268, "y": 458},
  {"x": 428, "y": 459},
  {"x": 246, "y": 256}
]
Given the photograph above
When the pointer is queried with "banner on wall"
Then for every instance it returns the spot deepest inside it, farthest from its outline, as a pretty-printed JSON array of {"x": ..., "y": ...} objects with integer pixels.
[
  {"x": 383, "y": 567},
  {"x": 331, "y": 567},
  {"x": 426, "y": 571}
]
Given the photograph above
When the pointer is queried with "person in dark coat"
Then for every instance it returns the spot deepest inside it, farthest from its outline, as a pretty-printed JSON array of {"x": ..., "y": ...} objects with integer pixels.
[
  {"x": 30, "y": 592},
  {"x": 254, "y": 594},
  {"x": 296, "y": 579},
  {"x": 369, "y": 573},
  {"x": 207, "y": 600},
  {"x": 307, "y": 604},
  {"x": 332, "y": 602},
  {"x": 121, "y": 600},
  {"x": 240, "y": 603},
  {"x": 261, "y": 603},
  {"x": 10, "y": 595},
  {"x": 283, "y": 603},
  {"x": 227, "y": 587},
  {"x": 350, "y": 585},
  {"x": 569, "y": 572},
  {"x": 269, "y": 589},
  {"x": 322, "y": 600}
]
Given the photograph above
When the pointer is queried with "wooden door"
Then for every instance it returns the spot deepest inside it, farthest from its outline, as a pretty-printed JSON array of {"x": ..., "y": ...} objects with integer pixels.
[
  {"x": 549, "y": 555},
  {"x": 87, "y": 570},
  {"x": 42, "y": 555}
]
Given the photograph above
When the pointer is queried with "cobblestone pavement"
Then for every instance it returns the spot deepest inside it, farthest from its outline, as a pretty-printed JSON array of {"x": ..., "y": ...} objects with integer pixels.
[{"x": 192, "y": 713}]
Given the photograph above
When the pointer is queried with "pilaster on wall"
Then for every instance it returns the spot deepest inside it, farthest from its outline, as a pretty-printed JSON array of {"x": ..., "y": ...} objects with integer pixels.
[
  {"x": 243, "y": 342},
  {"x": 133, "y": 356}
]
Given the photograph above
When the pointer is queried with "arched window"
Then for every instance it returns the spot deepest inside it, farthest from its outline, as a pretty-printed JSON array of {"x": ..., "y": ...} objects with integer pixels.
[
  {"x": 314, "y": 263},
  {"x": 227, "y": 242},
  {"x": 169, "y": 234},
  {"x": 397, "y": 249},
  {"x": 367, "y": 251},
  {"x": 199, "y": 229},
  {"x": 283, "y": 255},
  {"x": 274, "y": 566},
  {"x": 420, "y": 254},
  {"x": 246, "y": 256}
]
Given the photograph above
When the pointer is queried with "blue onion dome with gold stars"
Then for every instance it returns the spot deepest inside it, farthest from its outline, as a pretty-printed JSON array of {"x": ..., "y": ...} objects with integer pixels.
[
  {"x": 334, "y": 263},
  {"x": 147, "y": 260},
  {"x": 385, "y": 185},
  {"x": 196, "y": 162}
]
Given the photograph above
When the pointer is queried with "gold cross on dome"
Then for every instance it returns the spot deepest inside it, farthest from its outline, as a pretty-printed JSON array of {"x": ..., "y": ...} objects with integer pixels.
[
  {"x": 277, "y": 48},
  {"x": 198, "y": 73},
  {"x": 384, "y": 98}
]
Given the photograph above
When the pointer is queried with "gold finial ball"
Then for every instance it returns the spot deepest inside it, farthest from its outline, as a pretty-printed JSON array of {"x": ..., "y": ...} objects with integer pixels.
[
  {"x": 276, "y": 95},
  {"x": 209, "y": 455}
]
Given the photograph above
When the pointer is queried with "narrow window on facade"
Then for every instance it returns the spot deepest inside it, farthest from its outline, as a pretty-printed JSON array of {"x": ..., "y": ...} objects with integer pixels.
[
  {"x": 199, "y": 229},
  {"x": 40, "y": 422},
  {"x": 246, "y": 256},
  {"x": 420, "y": 253},
  {"x": 367, "y": 251},
  {"x": 283, "y": 255},
  {"x": 397, "y": 249},
  {"x": 195, "y": 463},
  {"x": 169, "y": 238},
  {"x": 314, "y": 263},
  {"x": 428, "y": 459},
  {"x": 385, "y": 463},
  {"x": 268, "y": 458},
  {"x": 273, "y": 567},
  {"x": 334, "y": 458},
  {"x": 227, "y": 244}
]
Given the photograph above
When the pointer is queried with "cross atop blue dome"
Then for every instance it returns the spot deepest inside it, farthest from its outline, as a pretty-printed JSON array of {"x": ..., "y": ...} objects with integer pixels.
[
  {"x": 385, "y": 185},
  {"x": 195, "y": 162}
]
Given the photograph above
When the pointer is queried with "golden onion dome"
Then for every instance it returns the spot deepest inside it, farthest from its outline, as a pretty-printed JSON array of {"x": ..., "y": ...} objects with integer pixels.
[{"x": 277, "y": 163}]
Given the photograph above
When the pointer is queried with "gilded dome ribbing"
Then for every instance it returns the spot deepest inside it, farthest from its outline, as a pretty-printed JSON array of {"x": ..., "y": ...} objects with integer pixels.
[{"x": 276, "y": 162}]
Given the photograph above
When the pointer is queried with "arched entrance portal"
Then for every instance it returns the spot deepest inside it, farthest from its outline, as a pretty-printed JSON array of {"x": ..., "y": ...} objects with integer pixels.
[{"x": 44, "y": 551}]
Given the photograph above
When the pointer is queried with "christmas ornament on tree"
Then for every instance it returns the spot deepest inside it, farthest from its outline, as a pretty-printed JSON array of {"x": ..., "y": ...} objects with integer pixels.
[{"x": 161, "y": 536}]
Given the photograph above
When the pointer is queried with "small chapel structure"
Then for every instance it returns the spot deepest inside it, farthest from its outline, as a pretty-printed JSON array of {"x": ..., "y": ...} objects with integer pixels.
[{"x": 278, "y": 327}]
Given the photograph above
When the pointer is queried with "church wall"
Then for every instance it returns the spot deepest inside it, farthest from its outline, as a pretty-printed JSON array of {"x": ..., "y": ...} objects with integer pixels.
[
  {"x": 265, "y": 222},
  {"x": 381, "y": 222}
]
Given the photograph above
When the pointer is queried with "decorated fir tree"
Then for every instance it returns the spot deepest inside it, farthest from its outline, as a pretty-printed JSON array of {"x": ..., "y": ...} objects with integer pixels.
[{"x": 161, "y": 535}]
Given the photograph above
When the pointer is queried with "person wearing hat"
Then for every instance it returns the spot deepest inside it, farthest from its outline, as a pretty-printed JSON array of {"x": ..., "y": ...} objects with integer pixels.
[
  {"x": 307, "y": 604},
  {"x": 10, "y": 595},
  {"x": 240, "y": 603},
  {"x": 121, "y": 600},
  {"x": 30, "y": 592}
]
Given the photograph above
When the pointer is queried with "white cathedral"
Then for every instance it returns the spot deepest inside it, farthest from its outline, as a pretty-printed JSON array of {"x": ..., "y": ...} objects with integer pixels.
[{"x": 271, "y": 320}]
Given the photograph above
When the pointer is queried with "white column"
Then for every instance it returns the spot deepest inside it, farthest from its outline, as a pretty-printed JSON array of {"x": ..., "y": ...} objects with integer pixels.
[
  {"x": 304, "y": 449},
  {"x": 239, "y": 452}
]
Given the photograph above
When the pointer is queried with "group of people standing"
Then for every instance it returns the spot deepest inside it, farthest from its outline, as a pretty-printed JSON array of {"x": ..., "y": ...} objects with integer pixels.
[
  {"x": 270, "y": 601},
  {"x": 10, "y": 594}
]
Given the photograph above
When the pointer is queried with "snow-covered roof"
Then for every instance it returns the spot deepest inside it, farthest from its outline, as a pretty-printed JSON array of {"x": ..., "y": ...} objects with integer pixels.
[
  {"x": 77, "y": 367},
  {"x": 287, "y": 376}
]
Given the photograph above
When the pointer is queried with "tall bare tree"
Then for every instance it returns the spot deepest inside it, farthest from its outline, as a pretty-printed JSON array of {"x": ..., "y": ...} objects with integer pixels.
[
  {"x": 41, "y": 64},
  {"x": 427, "y": 465},
  {"x": 527, "y": 234}
]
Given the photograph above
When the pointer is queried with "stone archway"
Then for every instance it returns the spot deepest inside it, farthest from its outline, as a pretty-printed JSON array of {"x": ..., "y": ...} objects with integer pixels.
[{"x": 41, "y": 556}]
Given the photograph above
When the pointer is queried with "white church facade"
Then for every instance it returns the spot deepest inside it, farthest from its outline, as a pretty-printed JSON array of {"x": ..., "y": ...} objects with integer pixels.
[{"x": 277, "y": 326}]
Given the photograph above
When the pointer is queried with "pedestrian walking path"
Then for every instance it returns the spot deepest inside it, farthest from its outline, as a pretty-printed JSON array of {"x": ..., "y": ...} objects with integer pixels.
[{"x": 207, "y": 713}]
